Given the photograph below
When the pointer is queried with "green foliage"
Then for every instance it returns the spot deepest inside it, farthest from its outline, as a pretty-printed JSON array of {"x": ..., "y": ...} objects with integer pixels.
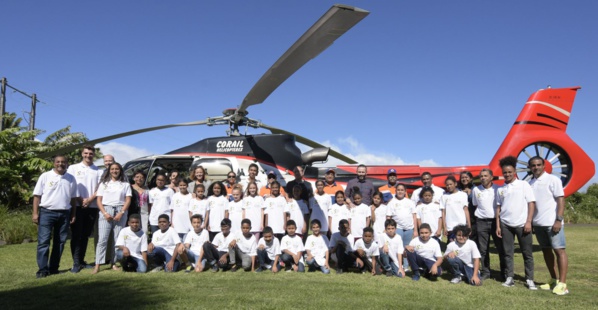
[
  {"x": 582, "y": 208},
  {"x": 16, "y": 226}
]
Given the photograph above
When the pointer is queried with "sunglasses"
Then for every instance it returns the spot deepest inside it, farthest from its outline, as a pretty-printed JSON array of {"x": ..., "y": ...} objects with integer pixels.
[{"x": 230, "y": 176}]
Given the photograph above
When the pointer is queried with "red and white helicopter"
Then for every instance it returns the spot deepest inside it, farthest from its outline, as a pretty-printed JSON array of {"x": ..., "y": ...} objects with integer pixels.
[{"x": 538, "y": 130}]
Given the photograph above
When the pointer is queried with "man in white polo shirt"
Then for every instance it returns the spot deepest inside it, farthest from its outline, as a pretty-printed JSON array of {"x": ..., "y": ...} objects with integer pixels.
[
  {"x": 514, "y": 212},
  {"x": 426, "y": 179},
  {"x": 548, "y": 224},
  {"x": 54, "y": 198}
]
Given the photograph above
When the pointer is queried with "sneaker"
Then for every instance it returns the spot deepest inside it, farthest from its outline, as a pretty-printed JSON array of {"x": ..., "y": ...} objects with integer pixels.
[
  {"x": 456, "y": 280},
  {"x": 339, "y": 271},
  {"x": 389, "y": 273},
  {"x": 268, "y": 267},
  {"x": 188, "y": 269},
  {"x": 41, "y": 274},
  {"x": 259, "y": 269},
  {"x": 415, "y": 277},
  {"x": 560, "y": 289},
  {"x": 214, "y": 268},
  {"x": 550, "y": 285},
  {"x": 531, "y": 285},
  {"x": 509, "y": 282},
  {"x": 234, "y": 268},
  {"x": 485, "y": 276},
  {"x": 157, "y": 269},
  {"x": 76, "y": 268}
]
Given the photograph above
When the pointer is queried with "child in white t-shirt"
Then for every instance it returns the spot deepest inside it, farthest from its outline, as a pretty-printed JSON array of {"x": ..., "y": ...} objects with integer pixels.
[
  {"x": 253, "y": 209},
  {"x": 217, "y": 202},
  {"x": 292, "y": 249},
  {"x": 179, "y": 209},
  {"x": 199, "y": 204},
  {"x": 216, "y": 253},
  {"x": 391, "y": 254},
  {"x": 243, "y": 248},
  {"x": 234, "y": 209},
  {"x": 367, "y": 249},
  {"x": 297, "y": 210},
  {"x": 159, "y": 201},
  {"x": 320, "y": 205},
  {"x": 428, "y": 212},
  {"x": 268, "y": 251},
  {"x": 342, "y": 247},
  {"x": 379, "y": 211},
  {"x": 164, "y": 243},
  {"x": 360, "y": 216},
  {"x": 338, "y": 211},
  {"x": 316, "y": 247},
  {"x": 275, "y": 205},
  {"x": 454, "y": 205},
  {"x": 424, "y": 254},
  {"x": 131, "y": 246},
  {"x": 464, "y": 257},
  {"x": 192, "y": 248}
]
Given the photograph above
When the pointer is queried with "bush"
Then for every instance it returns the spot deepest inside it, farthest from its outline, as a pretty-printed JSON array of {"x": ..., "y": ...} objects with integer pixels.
[{"x": 16, "y": 226}]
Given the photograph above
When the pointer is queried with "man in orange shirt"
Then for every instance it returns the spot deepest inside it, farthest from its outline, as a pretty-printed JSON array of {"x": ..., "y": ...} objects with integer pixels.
[{"x": 330, "y": 186}]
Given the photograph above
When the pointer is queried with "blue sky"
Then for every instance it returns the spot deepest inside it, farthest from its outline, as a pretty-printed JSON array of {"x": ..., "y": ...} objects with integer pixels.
[{"x": 419, "y": 82}]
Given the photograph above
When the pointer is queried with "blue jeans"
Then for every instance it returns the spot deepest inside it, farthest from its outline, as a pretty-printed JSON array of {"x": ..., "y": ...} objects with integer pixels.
[
  {"x": 51, "y": 222},
  {"x": 460, "y": 268},
  {"x": 406, "y": 236},
  {"x": 312, "y": 266},
  {"x": 388, "y": 265},
  {"x": 192, "y": 257},
  {"x": 289, "y": 262},
  {"x": 263, "y": 259},
  {"x": 131, "y": 263},
  {"x": 161, "y": 257},
  {"x": 416, "y": 262}
]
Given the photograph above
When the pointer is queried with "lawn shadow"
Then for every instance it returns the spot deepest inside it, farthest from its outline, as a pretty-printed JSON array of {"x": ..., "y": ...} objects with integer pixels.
[{"x": 71, "y": 294}]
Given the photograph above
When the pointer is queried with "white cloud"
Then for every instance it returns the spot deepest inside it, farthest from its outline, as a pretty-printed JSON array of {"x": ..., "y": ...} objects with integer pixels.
[{"x": 122, "y": 152}]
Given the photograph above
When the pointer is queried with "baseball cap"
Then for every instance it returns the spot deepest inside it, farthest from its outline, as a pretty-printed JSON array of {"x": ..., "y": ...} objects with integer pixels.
[
  {"x": 391, "y": 171},
  {"x": 271, "y": 172},
  {"x": 330, "y": 171}
]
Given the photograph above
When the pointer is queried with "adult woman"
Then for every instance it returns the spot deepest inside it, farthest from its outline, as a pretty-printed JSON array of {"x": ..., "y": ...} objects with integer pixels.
[
  {"x": 174, "y": 181},
  {"x": 466, "y": 186},
  {"x": 199, "y": 175},
  {"x": 114, "y": 198},
  {"x": 140, "y": 199}
]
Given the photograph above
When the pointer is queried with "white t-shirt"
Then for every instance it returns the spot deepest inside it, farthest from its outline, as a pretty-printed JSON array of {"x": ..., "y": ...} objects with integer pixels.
[
  {"x": 395, "y": 246},
  {"x": 318, "y": 246},
  {"x": 88, "y": 178},
  {"x": 380, "y": 213},
  {"x": 217, "y": 206},
  {"x": 401, "y": 210},
  {"x": 320, "y": 204},
  {"x": 429, "y": 213},
  {"x": 547, "y": 188},
  {"x": 196, "y": 240},
  {"x": 370, "y": 250},
  {"x": 513, "y": 199},
  {"x": 160, "y": 200},
  {"x": 349, "y": 241},
  {"x": 56, "y": 190},
  {"x": 336, "y": 214},
  {"x": 359, "y": 217},
  {"x": 167, "y": 240},
  {"x": 438, "y": 192},
  {"x": 221, "y": 242},
  {"x": 253, "y": 207},
  {"x": 485, "y": 201},
  {"x": 136, "y": 242},
  {"x": 275, "y": 210},
  {"x": 200, "y": 207},
  {"x": 179, "y": 206},
  {"x": 454, "y": 204},
  {"x": 296, "y": 210},
  {"x": 246, "y": 245},
  {"x": 235, "y": 215},
  {"x": 467, "y": 252},
  {"x": 293, "y": 244},
  {"x": 114, "y": 193},
  {"x": 272, "y": 248},
  {"x": 428, "y": 250}
]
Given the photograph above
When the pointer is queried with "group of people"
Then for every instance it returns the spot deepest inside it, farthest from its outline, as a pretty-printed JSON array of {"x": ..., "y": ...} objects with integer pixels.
[{"x": 199, "y": 225}]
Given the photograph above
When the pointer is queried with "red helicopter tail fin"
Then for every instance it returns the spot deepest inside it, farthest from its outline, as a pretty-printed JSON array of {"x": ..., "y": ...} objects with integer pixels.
[{"x": 540, "y": 131}]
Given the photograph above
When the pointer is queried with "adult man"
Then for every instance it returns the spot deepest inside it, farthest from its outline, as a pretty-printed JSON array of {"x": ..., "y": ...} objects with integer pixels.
[
  {"x": 514, "y": 212},
  {"x": 54, "y": 199},
  {"x": 86, "y": 210},
  {"x": 306, "y": 189},
  {"x": 389, "y": 190},
  {"x": 252, "y": 172},
  {"x": 484, "y": 198},
  {"x": 426, "y": 179},
  {"x": 265, "y": 191},
  {"x": 330, "y": 186},
  {"x": 548, "y": 224},
  {"x": 365, "y": 187}
]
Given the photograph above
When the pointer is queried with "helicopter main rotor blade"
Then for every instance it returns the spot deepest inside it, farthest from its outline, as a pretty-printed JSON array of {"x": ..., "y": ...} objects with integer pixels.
[
  {"x": 309, "y": 142},
  {"x": 116, "y": 136},
  {"x": 334, "y": 23}
]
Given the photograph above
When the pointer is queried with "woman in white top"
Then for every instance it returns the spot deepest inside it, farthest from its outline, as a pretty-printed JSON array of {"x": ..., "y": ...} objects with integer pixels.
[{"x": 114, "y": 198}]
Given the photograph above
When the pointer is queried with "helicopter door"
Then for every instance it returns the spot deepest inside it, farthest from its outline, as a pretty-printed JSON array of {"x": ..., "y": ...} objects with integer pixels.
[{"x": 216, "y": 168}]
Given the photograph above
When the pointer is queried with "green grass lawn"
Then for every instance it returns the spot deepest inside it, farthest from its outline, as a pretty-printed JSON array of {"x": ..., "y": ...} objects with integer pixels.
[{"x": 19, "y": 289}]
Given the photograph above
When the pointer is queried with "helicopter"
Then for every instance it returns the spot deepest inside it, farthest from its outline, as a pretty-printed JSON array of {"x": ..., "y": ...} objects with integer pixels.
[{"x": 539, "y": 130}]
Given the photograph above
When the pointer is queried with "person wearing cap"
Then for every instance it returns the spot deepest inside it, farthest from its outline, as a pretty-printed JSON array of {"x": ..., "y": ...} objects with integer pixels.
[
  {"x": 265, "y": 190},
  {"x": 330, "y": 186},
  {"x": 365, "y": 186},
  {"x": 426, "y": 179},
  {"x": 389, "y": 190},
  {"x": 306, "y": 189}
]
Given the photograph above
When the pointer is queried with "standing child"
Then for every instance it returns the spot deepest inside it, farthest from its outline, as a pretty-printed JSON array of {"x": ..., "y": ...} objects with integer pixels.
[
  {"x": 292, "y": 249},
  {"x": 428, "y": 212},
  {"x": 216, "y": 253},
  {"x": 424, "y": 254},
  {"x": 455, "y": 208},
  {"x": 360, "y": 216},
  {"x": 253, "y": 209},
  {"x": 379, "y": 212},
  {"x": 316, "y": 248},
  {"x": 159, "y": 201},
  {"x": 234, "y": 209},
  {"x": 367, "y": 249},
  {"x": 391, "y": 256},
  {"x": 217, "y": 203},
  {"x": 179, "y": 209},
  {"x": 320, "y": 206},
  {"x": 132, "y": 246},
  {"x": 339, "y": 211},
  {"x": 164, "y": 243},
  {"x": 403, "y": 211},
  {"x": 268, "y": 251},
  {"x": 192, "y": 248},
  {"x": 243, "y": 248},
  {"x": 275, "y": 205},
  {"x": 297, "y": 210},
  {"x": 341, "y": 245},
  {"x": 464, "y": 257},
  {"x": 199, "y": 204}
]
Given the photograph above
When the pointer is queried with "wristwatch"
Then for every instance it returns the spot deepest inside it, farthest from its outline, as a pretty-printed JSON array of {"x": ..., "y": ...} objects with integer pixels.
[{"x": 559, "y": 218}]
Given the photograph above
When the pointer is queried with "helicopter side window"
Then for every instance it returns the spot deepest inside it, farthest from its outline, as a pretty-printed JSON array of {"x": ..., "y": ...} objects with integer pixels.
[{"x": 216, "y": 168}]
